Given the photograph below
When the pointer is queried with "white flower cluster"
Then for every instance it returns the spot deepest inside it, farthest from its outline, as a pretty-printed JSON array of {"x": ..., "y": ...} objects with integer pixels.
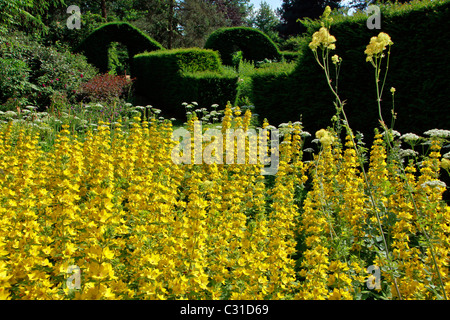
[
  {"x": 408, "y": 153},
  {"x": 438, "y": 133},
  {"x": 433, "y": 184},
  {"x": 410, "y": 137}
]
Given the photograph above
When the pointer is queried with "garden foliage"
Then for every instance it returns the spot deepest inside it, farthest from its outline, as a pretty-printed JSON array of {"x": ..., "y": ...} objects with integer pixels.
[{"x": 31, "y": 73}]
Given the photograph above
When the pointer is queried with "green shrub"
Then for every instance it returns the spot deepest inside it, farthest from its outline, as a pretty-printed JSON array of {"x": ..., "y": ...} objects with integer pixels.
[
  {"x": 97, "y": 44},
  {"x": 167, "y": 78},
  {"x": 254, "y": 44},
  {"x": 418, "y": 70},
  {"x": 14, "y": 83},
  {"x": 32, "y": 72}
]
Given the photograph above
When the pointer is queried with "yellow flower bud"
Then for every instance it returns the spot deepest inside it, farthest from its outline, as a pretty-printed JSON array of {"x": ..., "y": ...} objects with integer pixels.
[
  {"x": 445, "y": 164},
  {"x": 335, "y": 59}
]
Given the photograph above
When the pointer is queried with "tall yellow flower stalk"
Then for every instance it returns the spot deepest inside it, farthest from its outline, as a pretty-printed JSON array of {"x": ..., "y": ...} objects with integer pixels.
[
  {"x": 281, "y": 219},
  {"x": 316, "y": 224},
  {"x": 434, "y": 220}
]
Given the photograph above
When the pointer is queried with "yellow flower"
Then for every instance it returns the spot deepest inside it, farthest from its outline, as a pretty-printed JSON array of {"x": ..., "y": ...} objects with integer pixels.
[
  {"x": 325, "y": 137},
  {"x": 322, "y": 38},
  {"x": 377, "y": 45},
  {"x": 335, "y": 59},
  {"x": 108, "y": 253}
]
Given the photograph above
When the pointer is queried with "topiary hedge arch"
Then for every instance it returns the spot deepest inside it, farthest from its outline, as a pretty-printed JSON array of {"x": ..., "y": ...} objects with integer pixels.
[
  {"x": 254, "y": 44},
  {"x": 96, "y": 45}
]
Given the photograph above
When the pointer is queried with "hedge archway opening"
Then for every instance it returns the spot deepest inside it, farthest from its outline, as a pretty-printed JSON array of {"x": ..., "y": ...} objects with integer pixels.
[
  {"x": 96, "y": 46},
  {"x": 254, "y": 44}
]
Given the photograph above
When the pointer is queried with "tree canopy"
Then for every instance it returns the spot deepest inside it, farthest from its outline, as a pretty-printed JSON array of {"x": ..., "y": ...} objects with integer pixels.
[{"x": 292, "y": 10}]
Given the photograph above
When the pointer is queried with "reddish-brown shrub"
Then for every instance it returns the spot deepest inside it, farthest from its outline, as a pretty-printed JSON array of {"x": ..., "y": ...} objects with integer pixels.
[{"x": 105, "y": 88}]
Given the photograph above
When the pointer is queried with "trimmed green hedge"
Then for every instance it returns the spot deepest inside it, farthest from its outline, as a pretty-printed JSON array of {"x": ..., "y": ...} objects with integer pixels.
[
  {"x": 166, "y": 79},
  {"x": 96, "y": 45},
  {"x": 207, "y": 87},
  {"x": 419, "y": 71},
  {"x": 290, "y": 55},
  {"x": 254, "y": 44}
]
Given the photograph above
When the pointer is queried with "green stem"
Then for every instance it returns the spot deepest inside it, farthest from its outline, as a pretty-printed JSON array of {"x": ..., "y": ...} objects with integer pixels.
[{"x": 372, "y": 199}]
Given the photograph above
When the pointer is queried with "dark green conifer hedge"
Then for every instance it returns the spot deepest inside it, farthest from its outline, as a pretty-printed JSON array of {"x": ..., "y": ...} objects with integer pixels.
[{"x": 419, "y": 69}]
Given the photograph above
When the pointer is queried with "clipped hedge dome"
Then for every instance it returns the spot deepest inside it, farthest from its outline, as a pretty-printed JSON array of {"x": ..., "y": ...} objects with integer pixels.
[
  {"x": 254, "y": 44},
  {"x": 96, "y": 45}
]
